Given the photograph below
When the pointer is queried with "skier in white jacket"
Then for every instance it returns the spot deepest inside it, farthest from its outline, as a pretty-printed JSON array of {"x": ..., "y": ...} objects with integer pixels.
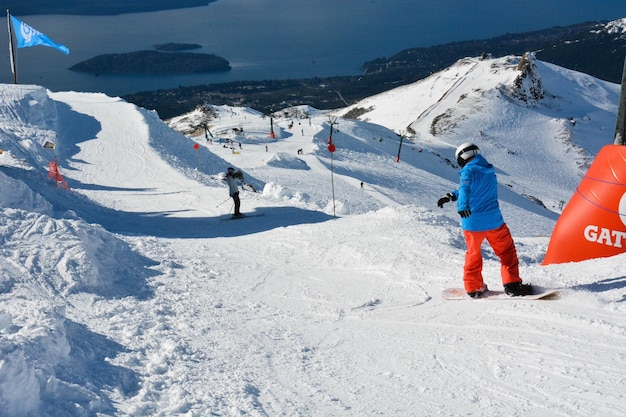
[{"x": 233, "y": 189}]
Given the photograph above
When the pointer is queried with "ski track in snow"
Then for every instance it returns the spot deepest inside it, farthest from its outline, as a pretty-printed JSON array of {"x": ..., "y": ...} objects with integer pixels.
[{"x": 128, "y": 296}]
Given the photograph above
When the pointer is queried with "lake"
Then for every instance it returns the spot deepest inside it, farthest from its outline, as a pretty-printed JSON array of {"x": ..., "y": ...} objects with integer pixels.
[{"x": 280, "y": 39}]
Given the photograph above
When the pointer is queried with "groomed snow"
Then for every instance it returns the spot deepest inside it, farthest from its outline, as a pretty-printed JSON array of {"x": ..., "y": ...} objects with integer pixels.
[{"x": 129, "y": 296}]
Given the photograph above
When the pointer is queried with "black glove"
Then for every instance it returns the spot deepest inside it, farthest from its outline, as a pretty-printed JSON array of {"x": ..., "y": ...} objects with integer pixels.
[
  {"x": 465, "y": 213},
  {"x": 443, "y": 200}
]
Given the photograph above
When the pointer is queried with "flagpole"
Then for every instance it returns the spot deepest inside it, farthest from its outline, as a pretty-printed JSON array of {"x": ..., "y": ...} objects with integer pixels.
[{"x": 11, "y": 48}]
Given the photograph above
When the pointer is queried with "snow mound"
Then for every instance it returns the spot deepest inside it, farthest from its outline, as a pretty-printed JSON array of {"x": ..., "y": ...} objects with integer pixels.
[
  {"x": 287, "y": 161},
  {"x": 45, "y": 355},
  {"x": 17, "y": 195},
  {"x": 279, "y": 192}
]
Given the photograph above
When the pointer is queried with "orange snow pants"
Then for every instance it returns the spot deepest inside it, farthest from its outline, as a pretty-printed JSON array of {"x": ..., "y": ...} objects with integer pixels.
[{"x": 502, "y": 243}]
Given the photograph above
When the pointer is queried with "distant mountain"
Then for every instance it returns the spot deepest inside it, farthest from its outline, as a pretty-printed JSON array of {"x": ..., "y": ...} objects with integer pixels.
[
  {"x": 595, "y": 48},
  {"x": 99, "y": 7},
  {"x": 598, "y": 51}
]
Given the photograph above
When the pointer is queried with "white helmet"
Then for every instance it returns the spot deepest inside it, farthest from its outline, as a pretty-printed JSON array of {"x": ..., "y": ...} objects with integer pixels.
[{"x": 465, "y": 152}]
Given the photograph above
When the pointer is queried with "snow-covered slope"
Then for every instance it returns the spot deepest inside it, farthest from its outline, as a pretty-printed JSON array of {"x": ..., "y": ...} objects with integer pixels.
[
  {"x": 129, "y": 296},
  {"x": 541, "y": 115}
]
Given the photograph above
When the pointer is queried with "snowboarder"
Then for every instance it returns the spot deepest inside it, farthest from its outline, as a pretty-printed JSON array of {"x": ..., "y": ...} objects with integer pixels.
[
  {"x": 477, "y": 204},
  {"x": 233, "y": 189}
]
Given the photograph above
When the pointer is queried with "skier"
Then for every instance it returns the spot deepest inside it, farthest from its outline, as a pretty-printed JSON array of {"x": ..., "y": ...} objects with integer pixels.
[
  {"x": 231, "y": 180},
  {"x": 477, "y": 204}
]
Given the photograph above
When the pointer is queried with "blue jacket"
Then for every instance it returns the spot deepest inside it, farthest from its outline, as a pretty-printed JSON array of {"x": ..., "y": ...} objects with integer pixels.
[{"x": 478, "y": 192}]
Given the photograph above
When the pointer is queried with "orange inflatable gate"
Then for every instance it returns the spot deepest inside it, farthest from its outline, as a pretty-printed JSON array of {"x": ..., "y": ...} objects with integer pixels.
[{"x": 593, "y": 224}]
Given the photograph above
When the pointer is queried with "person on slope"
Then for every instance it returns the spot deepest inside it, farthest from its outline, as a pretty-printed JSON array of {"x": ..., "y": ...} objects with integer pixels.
[
  {"x": 233, "y": 189},
  {"x": 477, "y": 204}
]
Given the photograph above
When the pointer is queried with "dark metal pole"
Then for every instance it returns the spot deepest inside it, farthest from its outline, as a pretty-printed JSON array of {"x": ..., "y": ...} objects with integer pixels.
[
  {"x": 401, "y": 134},
  {"x": 331, "y": 147},
  {"x": 620, "y": 127},
  {"x": 12, "y": 48}
]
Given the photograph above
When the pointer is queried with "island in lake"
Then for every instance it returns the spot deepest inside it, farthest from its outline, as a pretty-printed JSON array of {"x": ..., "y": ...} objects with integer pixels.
[
  {"x": 154, "y": 63},
  {"x": 176, "y": 47}
]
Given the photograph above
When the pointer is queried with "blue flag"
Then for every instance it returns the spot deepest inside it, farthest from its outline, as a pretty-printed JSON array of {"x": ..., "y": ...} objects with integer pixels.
[{"x": 27, "y": 36}]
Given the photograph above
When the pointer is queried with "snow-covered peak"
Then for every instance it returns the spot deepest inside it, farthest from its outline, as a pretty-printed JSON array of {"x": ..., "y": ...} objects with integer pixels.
[
  {"x": 528, "y": 86},
  {"x": 614, "y": 27},
  {"x": 515, "y": 108}
]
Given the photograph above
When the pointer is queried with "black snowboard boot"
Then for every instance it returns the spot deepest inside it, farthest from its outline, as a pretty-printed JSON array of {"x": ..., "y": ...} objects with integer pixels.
[
  {"x": 516, "y": 289},
  {"x": 479, "y": 293}
]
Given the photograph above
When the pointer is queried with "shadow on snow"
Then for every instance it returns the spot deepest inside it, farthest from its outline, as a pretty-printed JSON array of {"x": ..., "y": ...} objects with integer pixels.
[
  {"x": 163, "y": 224},
  {"x": 608, "y": 284}
]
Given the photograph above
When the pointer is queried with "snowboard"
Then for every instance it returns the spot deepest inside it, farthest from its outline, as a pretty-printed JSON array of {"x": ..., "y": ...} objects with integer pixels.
[
  {"x": 244, "y": 216},
  {"x": 461, "y": 294}
]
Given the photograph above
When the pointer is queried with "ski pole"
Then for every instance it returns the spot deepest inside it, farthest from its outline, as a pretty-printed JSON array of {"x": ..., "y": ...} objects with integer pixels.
[{"x": 223, "y": 202}]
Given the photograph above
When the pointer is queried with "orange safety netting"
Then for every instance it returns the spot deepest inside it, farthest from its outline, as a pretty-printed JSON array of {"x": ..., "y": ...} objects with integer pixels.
[{"x": 53, "y": 173}]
